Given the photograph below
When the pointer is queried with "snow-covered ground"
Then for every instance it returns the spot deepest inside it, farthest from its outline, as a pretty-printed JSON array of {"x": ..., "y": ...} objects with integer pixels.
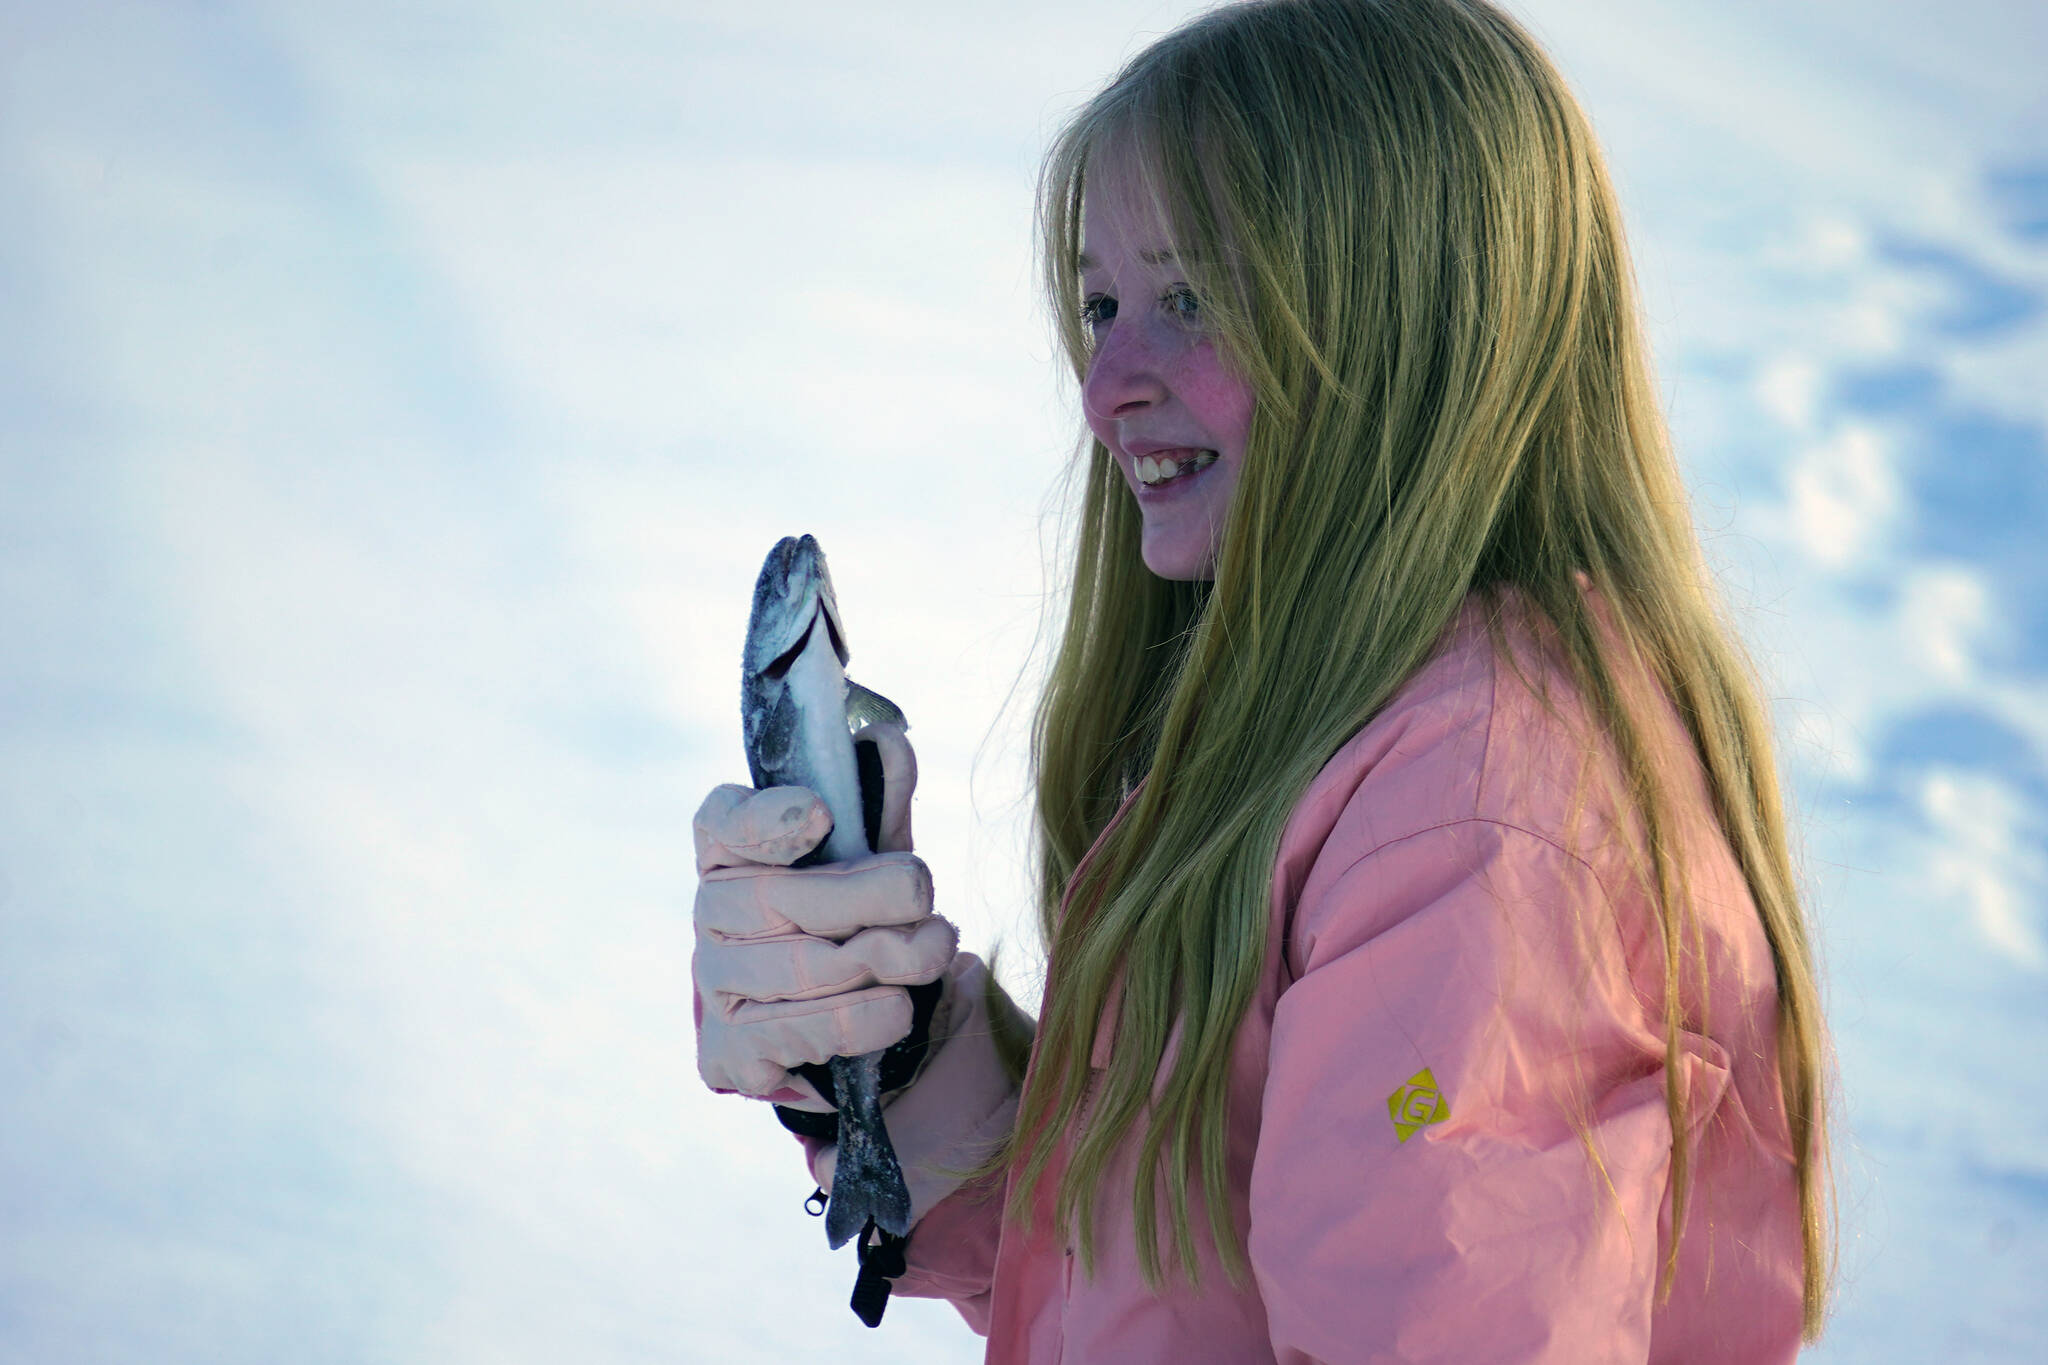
[{"x": 396, "y": 400}]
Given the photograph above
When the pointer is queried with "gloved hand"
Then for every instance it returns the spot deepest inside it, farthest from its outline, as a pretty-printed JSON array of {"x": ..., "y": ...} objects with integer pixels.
[{"x": 794, "y": 966}]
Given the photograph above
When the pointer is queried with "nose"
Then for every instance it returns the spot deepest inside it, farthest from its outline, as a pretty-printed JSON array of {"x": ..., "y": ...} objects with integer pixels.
[{"x": 1126, "y": 374}]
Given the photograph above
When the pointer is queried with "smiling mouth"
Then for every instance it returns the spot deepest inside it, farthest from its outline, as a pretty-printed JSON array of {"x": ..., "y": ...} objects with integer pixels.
[{"x": 1154, "y": 471}]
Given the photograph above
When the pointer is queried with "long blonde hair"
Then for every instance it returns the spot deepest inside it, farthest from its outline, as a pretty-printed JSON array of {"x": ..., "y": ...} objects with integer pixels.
[{"x": 1399, "y": 224}]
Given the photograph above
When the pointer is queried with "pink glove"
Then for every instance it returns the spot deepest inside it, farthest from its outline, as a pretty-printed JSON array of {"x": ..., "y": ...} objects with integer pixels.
[{"x": 798, "y": 965}]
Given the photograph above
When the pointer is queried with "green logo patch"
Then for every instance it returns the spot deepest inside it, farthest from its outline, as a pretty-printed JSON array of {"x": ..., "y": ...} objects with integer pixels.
[{"x": 1417, "y": 1104}]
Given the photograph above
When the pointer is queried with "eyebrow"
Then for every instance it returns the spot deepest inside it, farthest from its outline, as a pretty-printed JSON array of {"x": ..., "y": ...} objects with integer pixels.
[{"x": 1150, "y": 257}]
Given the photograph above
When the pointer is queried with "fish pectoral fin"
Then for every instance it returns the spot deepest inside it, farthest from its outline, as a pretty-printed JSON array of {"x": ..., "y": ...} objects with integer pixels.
[{"x": 866, "y": 707}]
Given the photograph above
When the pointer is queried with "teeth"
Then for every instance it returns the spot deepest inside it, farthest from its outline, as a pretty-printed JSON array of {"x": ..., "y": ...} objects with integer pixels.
[{"x": 1153, "y": 471}]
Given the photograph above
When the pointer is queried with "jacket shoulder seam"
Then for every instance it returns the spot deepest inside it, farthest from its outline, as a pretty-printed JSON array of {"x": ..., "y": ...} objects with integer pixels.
[{"x": 1537, "y": 835}]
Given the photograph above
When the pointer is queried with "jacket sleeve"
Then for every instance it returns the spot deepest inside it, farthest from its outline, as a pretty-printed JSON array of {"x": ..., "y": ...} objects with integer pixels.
[{"x": 1461, "y": 1039}]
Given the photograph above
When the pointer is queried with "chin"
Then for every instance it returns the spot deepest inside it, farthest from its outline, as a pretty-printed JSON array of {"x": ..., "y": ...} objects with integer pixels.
[{"x": 1180, "y": 563}]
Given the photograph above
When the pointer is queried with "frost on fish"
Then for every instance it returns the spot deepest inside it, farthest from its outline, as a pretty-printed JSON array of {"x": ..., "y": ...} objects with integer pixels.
[
  {"x": 796, "y": 709},
  {"x": 867, "y": 1181}
]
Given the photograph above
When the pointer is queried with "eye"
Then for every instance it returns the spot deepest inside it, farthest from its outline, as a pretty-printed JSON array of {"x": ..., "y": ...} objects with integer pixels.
[
  {"x": 1181, "y": 299},
  {"x": 1097, "y": 309}
]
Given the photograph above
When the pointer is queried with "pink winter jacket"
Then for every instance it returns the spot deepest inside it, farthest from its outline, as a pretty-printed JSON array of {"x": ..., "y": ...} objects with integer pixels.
[{"x": 1448, "y": 982}]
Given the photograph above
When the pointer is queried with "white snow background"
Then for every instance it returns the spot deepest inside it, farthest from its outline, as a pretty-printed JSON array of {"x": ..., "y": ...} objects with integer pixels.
[{"x": 396, "y": 400}]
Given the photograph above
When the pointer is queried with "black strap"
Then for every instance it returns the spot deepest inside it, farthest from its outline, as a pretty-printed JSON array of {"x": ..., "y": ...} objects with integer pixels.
[
  {"x": 882, "y": 1259},
  {"x": 879, "y": 1263},
  {"x": 867, "y": 756}
]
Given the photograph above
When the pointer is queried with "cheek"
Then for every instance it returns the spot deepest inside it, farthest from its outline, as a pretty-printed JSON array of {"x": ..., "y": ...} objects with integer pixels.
[{"x": 1219, "y": 398}]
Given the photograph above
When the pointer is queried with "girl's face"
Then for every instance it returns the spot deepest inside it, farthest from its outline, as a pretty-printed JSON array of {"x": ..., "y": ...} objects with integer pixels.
[{"x": 1157, "y": 395}]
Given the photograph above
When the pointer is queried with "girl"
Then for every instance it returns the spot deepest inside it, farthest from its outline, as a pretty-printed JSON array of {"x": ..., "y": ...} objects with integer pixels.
[{"x": 1427, "y": 977}]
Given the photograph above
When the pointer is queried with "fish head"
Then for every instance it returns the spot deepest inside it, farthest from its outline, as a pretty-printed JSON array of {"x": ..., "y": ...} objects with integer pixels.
[
  {"x": 791, "y": 596},
  {"x": 794, "y": 586}
]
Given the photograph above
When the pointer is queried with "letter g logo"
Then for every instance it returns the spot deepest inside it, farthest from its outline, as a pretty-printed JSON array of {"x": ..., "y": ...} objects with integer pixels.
[{"x": 1417, "y": 1104}]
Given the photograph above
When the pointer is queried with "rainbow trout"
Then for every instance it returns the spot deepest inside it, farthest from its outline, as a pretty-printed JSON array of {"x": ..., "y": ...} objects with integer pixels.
[{"x": 799, "y": 711}]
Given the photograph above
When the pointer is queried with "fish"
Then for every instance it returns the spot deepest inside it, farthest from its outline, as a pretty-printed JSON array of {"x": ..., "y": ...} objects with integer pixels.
[{"x": 798, "y": 714}]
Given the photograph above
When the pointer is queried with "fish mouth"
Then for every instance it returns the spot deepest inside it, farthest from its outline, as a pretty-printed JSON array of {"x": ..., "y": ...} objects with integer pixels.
[{"x": 793, "y": 588}]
